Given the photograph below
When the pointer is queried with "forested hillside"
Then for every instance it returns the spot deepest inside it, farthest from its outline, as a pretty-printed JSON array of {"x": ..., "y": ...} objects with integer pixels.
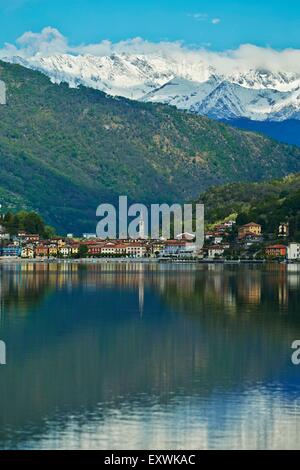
[{"x": 64, "y": 151}]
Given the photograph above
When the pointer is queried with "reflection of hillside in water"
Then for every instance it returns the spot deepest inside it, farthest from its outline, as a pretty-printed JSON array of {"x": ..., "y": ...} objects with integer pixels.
[
  {"x": 264, "y": 291},
  {"x": 23, "y": 286},
  {"x": 216, "y": 284},
  {"x": 110, "y": 334}
]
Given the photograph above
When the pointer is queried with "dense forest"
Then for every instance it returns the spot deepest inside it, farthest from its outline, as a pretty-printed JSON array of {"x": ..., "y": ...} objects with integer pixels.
[
  {"x": 268, "y": 203},
  {"x": 30, "y": 222},
  {"x": 65, "y": 151}
]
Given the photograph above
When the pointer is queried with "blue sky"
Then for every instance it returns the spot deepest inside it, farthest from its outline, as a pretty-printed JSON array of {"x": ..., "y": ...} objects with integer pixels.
[{"x": 221, "y": 24}]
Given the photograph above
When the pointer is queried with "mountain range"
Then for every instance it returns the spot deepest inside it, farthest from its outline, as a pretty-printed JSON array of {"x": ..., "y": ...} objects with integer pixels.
[
  {"x": 244, "y": 98},
  {"x": 63, "y": 151}
]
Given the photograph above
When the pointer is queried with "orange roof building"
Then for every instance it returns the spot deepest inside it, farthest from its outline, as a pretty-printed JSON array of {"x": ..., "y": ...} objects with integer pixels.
[{"x": 276, "y": 251}]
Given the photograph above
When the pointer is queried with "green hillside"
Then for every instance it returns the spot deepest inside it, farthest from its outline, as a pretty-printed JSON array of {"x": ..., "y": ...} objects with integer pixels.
[
  {"x": 64, "y": 151},
  {"x": 268, "y": 203}
]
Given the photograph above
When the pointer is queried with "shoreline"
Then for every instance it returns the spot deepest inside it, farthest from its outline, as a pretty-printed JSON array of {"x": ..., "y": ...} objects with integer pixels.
[{"x": 17, "y": 260}]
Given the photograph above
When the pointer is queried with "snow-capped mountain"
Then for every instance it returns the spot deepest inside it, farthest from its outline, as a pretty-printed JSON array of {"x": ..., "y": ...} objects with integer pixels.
[
  {"x": 222, "y": 99},
  {"x": 258, "y": 95}
]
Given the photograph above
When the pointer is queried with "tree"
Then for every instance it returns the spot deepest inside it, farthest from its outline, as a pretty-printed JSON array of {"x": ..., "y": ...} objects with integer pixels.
[
  {"x": 83, "y": 251},
  {"x": 29, "y": 222},
  {"x": 49, "y": 232}
]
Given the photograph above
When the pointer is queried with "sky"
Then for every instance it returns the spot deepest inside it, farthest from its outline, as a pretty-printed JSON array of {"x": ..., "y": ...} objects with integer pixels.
[{"x": 216, "y": 24}]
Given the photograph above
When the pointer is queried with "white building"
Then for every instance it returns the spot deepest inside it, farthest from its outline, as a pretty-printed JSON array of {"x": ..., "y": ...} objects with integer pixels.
[
  {"x": 89, "y": 236},
  {"x": 4, "y": 235},
  {"x": 186, "y": 236},
  {"x": 215, "y": 251},
  {"x": 293, "y": 252},
  {"x": 230, "y": 223},
  {"x": 179, "y": 248},
  {"x": 218, "y": 240},
  {"x": 133, "y": 250},
  {"x": 65, "y": 250},
  {"x": 136, "y": 250}
]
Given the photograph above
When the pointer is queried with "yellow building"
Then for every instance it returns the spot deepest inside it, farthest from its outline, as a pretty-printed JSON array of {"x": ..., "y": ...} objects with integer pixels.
[
  {"x": 53, "y": 250},
  {"x": 27, "y": 252},
  {"x": 250, "y": 229},
  {"x": 59, "y": 241},
  {"x": 74, "y": 249}
]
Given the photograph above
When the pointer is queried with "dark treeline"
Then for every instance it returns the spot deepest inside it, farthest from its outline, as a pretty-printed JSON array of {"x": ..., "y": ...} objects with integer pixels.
[
  {"x": 30, "y": 222},
  {"x": 267, "y": 203}
]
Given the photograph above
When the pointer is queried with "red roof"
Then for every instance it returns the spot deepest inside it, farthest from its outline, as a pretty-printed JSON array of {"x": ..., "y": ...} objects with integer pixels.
[
  {"x": 276, "y": 247},
  {"x": 177, "y": 242}
]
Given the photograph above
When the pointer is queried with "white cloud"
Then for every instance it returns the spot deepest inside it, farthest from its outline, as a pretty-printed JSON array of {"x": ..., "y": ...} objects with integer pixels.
[
  {"x": 199, "y": 16},
  {"x": 130, "y": 46},
  {"x": 47, "y": 42},
  {"x": 204, "y": 17},
  {"x": 50, "y": 41}
]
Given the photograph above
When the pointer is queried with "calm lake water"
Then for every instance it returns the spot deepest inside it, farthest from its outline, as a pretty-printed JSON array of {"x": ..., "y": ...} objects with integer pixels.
[{"x": 149, "y": 356}]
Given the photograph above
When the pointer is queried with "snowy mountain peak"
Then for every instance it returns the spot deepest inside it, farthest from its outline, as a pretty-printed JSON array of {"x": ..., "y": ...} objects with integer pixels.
[{"x": 182, "y": 81}]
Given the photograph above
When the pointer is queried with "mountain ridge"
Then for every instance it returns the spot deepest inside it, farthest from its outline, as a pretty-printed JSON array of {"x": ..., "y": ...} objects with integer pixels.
[
  {"x": 259, "y": 95},
  {"x": 64, "y": 151}
]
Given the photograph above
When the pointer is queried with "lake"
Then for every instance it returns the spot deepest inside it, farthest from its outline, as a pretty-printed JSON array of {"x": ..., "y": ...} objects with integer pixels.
[{"x": 158, "y": 356}]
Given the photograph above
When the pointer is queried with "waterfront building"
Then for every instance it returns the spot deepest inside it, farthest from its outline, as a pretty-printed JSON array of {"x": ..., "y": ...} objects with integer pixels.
[
  {"x": 293, "y": 251},
  {"x": 27, "y": 252},
  {"x": 41, "y": 251},
  {"x": 216, "y": 251},
  {"x": 178, "y": 248},
  {"x": 69, "y": 250},
  {"x": 136, "y": 250},
  {"x": 52, "y": 250},
  {"x": 95, "y": 249},
  {"x": 276, "y": 251},
  {"x": 10, "y": 251}
]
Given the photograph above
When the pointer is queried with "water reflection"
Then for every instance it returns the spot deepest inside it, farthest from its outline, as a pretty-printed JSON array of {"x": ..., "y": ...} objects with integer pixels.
[{"x": 136, "y": 356}]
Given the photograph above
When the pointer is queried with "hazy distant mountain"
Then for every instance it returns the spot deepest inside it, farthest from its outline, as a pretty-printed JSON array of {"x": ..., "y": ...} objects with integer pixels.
[{"x": 284, "y": 131}]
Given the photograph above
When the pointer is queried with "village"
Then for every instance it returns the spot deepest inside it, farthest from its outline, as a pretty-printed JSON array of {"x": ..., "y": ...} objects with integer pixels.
[{"x": 225, "y": 242}]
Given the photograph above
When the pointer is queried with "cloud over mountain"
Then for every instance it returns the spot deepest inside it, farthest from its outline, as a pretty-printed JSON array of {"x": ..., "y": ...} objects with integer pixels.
[
  {"x": 50, "y": 41},
  {"x": 250, "y": 82}
]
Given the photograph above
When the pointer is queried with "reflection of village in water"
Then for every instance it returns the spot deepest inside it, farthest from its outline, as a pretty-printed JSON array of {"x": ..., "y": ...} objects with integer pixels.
[
  {"x": 135, "y": 339},
  {"x": 216, "y": 282}
]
